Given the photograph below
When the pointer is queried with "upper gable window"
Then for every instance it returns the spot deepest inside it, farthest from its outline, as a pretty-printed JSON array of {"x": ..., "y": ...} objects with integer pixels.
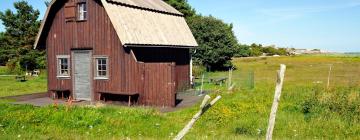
[{"x": 82, "y": 11}]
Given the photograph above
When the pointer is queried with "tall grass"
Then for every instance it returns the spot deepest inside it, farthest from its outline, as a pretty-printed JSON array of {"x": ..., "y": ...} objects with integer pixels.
[{"x": 307, "y": 110}]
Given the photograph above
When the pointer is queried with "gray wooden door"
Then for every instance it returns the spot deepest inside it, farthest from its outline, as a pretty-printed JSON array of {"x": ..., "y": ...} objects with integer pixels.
[{"x": 82, "y": 74}]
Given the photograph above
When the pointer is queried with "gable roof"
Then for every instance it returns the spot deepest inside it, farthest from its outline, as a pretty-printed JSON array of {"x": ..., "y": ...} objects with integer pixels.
[{"x": 141, "y": 23}]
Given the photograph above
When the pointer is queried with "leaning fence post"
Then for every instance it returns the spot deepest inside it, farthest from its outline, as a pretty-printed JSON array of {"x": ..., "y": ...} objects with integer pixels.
[
  {"x": 203, "y": 108},
  {"x": 278, "y": 89}
]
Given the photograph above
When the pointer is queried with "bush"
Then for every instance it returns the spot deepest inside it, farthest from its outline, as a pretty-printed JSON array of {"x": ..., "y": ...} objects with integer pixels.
[
  {"x": 198, "y": 70},
  {"x": 13, "y": 66}
]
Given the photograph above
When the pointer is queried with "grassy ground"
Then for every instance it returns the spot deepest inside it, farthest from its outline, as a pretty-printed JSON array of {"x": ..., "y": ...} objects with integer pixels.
[
  {"x": 10, "y": 87},
  {"x": 307, "y": 109}
]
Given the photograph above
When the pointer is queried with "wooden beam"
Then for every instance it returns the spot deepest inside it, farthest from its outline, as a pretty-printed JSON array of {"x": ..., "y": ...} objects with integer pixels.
[
  {"x": 203, "y": 108},
  {"x": 278, "y": 89}
]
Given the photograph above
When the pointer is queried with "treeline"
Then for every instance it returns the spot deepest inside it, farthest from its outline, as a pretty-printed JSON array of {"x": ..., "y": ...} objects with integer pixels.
[{"x": 254, "y": 50}]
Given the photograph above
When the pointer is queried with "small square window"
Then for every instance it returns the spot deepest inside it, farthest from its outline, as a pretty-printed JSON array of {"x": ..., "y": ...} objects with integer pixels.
[
  {"x": 82, "y": 11},
  {"x": 101, "y": 67},
  {"x": 63, "y": 66}
]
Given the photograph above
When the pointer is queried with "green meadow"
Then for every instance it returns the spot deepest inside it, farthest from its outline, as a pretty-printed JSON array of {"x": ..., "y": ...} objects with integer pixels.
[
  {"x": 308, "y": 108},
  {"x": 9, "y": 86}
]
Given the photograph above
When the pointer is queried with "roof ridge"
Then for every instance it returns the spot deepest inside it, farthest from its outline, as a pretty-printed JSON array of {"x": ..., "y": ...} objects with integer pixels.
[{"x": 146, "y": 8}]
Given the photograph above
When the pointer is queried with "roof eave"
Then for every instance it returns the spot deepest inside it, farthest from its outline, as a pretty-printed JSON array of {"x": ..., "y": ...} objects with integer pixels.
[
  {"x": 157, "y": 46},
  {"x": 43, "y": 24}
]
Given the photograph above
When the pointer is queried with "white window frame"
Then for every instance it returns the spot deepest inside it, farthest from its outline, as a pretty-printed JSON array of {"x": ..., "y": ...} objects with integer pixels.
[
  {"x": 96, "y": 70},
  {"x": 82, "y": 11},
  {"x": 59, "y": 69}
]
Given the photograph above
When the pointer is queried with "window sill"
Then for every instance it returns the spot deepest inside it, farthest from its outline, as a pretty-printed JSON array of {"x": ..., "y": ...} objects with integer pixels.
[
  {"x": 63, "y": 77},
  {"x": 101, "y": 78},
  {"x": 81, "y": 20}
]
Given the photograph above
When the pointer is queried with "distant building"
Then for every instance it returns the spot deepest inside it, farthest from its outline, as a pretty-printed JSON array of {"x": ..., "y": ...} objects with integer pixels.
[{"x": 305, "y": 51}]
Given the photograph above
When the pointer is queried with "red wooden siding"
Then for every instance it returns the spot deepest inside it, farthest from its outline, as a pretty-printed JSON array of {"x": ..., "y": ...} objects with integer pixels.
[
  {"x": 125, "y": 73},
  {"x": 180, "y": 56},
  {"x": 159, "y": 84}
]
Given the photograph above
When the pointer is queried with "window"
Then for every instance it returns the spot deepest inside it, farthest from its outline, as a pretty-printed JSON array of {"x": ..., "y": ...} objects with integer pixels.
[
  {"x": 101, "y": 68},
  {"x": 82, "y": 11},
  {"x": 63, "y": 67}
]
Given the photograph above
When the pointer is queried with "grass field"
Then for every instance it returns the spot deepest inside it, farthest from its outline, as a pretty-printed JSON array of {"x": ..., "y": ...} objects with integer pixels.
[
  {"x": 10, "y": 87},
  {"x": 307, "y": 109}
]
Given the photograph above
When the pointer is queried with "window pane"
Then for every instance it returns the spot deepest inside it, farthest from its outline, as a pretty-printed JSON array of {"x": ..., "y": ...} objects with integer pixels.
[
  {"x": 103, "y": 73},
  {"x": 104, "y": 61},
  {"x": 99, "y": 62},
  {"x": 84, "y": 15},
  {"x": 64, "y": 72},
  {"x": 65, "y": 61},
  {"x": 84, "y": 6},
  {"x": 103, "y": 67}
]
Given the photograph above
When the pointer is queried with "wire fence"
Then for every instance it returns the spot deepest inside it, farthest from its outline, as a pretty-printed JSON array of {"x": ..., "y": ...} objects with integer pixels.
[{"x": 326, "y": 75}]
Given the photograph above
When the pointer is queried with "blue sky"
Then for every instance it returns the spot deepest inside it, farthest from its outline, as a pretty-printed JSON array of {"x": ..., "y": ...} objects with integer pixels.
[
  {"x": 332, "y": 25},
  {"x": 327, "y": 24}
]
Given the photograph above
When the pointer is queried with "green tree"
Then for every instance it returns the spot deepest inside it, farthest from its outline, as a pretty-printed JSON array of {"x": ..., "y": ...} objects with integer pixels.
[
  {"x": 182, "y": 6},
  {"x": 216, "y": 41},
  {"x": 22, "y": 26},
  {"x": 256, "y": 50},
  {"x": 242, "y": 50},
  {"x": 21, "y": 29}
]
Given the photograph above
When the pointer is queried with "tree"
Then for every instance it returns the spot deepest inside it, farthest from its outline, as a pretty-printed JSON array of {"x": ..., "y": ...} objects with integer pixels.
[
  {"x": 256, "y": 50},
  {"x": 22, "y": 26},
  {"x": 47, "y": 2},
  {"x": 182, "y": 6},
  {"x": 21, "y": 29},
  {"x": 216, "y": 41},
  {"x": 242, "y": 50}
]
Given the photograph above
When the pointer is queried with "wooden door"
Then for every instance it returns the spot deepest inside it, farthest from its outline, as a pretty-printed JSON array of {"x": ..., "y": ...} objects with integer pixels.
[
  {"x": 159, "y": 84},
  {"x": 82, "y": 74}
]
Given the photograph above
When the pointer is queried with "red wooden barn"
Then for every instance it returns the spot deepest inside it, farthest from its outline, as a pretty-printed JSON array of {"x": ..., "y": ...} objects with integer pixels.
[{"x": 99, "y": 49}]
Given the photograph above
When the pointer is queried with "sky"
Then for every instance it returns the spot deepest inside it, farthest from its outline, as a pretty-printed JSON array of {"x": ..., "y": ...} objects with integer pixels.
[{"x": 332, "y": 25}]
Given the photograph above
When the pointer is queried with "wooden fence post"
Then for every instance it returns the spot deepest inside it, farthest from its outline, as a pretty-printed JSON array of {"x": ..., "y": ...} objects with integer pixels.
[
  {"x": 203, "y": 108},
  {"x": 229, "y": 77},
  {"x": 279, "y": 85},
  {"x": 328, "y": 81},
  {"x": 202, "y": 84}
]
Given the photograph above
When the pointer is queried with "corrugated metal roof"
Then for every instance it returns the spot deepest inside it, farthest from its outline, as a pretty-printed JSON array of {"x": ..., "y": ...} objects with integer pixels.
[
  {"x": 157, "y": 5},
  {"x": 143, "y": 27}
]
